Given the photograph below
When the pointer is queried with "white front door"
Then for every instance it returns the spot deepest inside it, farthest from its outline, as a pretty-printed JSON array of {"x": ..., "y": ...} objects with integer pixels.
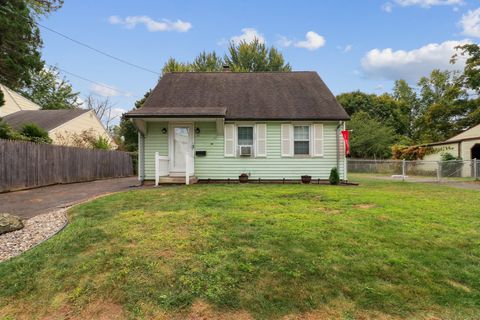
[{"x": 181, "y": 145}]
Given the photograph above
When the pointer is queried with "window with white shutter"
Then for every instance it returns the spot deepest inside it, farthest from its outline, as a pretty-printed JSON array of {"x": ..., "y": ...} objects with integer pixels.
[
  {"x": 301, "y": 140},
  {"x": 318, "y": 139},
  {"x": 287, "y": 140},
  {"x": 261, "y": 143},
  {"x": 229, "y": 140}
]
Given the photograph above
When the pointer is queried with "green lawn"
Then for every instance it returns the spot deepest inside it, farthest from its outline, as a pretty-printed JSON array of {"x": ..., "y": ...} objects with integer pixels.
[{"x": 380, "y": 250}]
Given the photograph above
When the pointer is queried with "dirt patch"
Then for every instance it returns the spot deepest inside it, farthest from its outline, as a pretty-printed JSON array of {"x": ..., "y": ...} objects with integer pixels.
[
  {"x": 364, "y": 206},
  {"x": 200, "y": 310},
  {"x": 100, "y": 310}
]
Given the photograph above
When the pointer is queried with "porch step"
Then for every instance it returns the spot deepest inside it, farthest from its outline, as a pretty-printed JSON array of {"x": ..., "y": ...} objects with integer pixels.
[{"x": 176, "y": 180}]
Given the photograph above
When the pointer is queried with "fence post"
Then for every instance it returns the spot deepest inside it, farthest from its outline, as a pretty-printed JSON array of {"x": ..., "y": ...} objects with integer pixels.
[
  {"x": 404, "y": 169},
  {"x": 439, "y": 171}
]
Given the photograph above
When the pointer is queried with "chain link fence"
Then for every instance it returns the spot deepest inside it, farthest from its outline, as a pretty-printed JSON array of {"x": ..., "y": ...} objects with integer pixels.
[{"x": 417, "y": 170}]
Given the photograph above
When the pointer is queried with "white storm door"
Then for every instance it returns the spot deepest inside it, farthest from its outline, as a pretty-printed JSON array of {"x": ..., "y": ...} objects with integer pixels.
[{"x": 181, "y": 143}]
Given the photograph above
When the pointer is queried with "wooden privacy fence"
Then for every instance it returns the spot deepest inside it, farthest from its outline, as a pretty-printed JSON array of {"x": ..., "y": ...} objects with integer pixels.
[{"x": 27, "y": 164}]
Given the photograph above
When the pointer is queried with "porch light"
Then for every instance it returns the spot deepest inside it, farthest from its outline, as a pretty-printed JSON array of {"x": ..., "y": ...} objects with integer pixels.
[
  {"x": 197, "y": 130},
  {"x": 164, "y": 130}
]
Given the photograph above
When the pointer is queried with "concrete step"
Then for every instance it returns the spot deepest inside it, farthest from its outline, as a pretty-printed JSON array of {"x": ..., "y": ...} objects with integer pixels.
[{"x": 176, "y": 180}]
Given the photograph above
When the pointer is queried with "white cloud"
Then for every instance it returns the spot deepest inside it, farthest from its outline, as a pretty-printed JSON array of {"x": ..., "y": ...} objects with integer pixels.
[
  {"x": 470, "y": 23},
  {"x": 117, "y": 112},
  {"x": 248, "y": 35},
  {"x": 388, "y": 6},
  {"x": 152, "y": 25},
  {"x": 346, "y": 48},
  {"x": 284, "y": 41},
  {"x": 312, "y": 41},
  {"x": 107, "y": 91},
  {"x": 411, "y": 65},
  {"x": 428, "y": 3}
]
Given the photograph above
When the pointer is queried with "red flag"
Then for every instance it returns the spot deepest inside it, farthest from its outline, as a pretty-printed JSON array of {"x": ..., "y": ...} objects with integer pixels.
[{"x": 345, "y": 138}]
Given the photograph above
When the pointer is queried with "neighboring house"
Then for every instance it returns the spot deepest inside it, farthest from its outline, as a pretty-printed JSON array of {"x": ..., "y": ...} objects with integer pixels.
[
  {"x": 15, "y": 102},
  {"x": 217, "y": 125},
  {"x": 63, "y": 126},
  {"x": 465, "y": 146}
]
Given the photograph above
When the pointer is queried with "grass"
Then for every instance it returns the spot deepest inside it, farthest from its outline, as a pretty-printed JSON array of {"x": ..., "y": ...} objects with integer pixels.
[{"x": 380, "y": 250}]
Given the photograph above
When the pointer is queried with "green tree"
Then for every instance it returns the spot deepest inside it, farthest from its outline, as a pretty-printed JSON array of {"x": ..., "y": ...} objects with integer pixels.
[
  {"x": 20, "y": 44},
  {"x": 471, "y": 71},
  {"x": 173, "y": 65},
  {"x": 370, "y": 138},
  {"x": 51, "y": 91},
  {"x": 127, "y": 130},
  {"x": 255, "y": 56},
  {"x": 408, "y": 105},
  {"x": 44, "y": 7},
  {"x": 356, "y": 101},
  {"x": 443, "y": 105},
  {"x": 207, "y": 62},
  {"x": 390, "y": 111},
  {"x": 2, "y": 98}
]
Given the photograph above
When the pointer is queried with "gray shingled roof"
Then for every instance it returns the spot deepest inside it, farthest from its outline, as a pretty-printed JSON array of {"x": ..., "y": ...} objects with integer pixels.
[
  {"x": 46, "y": 119},
  {"x": 242, "y": 96}
]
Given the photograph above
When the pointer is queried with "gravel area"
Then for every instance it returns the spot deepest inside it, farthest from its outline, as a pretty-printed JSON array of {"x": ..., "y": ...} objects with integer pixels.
[{"x": 36, "y": 230}]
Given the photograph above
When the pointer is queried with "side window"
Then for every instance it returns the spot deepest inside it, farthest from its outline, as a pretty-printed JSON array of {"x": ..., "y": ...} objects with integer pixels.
[
  {"x": 245, "y": 136},
  {"x": 301, "y": 140}
]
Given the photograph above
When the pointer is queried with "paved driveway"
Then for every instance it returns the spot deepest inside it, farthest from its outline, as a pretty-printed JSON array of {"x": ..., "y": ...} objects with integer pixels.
[{"x": 32, "y": 202}]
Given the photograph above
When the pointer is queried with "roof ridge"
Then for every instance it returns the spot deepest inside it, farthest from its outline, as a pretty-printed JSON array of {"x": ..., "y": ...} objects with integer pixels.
[{"x": 242, "y": 72}]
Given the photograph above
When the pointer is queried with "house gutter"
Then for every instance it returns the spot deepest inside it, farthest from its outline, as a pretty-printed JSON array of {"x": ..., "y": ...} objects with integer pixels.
[{"x": 338, "y": 144}]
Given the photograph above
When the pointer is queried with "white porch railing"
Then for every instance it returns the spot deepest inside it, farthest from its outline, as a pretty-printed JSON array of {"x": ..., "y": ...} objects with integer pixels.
[
  {"x": 188, "y": 166},
  {"x": 161, "y": 167}
]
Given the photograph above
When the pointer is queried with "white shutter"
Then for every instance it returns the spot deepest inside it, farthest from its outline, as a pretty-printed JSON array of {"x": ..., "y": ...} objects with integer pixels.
[
  {"x": 287, "y": 140},
  {"x": 261, "y": 143},
  {"x": 229, "y": 140},
  {"x": 317, "y": 140}
]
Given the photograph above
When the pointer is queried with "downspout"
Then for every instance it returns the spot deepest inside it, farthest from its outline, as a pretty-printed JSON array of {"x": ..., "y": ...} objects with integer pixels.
[{"x": 338, "y": 144}]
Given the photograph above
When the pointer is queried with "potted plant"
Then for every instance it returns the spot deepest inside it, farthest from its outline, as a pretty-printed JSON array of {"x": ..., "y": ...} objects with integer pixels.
[
  {"x": 243, "y": 178},
  {"x": 306, "y": 179}
]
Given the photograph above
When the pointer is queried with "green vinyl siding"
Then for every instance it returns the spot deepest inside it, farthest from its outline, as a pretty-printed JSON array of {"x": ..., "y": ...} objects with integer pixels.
[
  {"x": 274, "y": 166},
  {"x": 216, "y": 166},
  {"x": 155, "y": 141}
]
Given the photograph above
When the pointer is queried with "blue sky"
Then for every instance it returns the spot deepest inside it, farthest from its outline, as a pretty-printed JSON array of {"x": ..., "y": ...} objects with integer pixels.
[{"x": 356, "y": 44}]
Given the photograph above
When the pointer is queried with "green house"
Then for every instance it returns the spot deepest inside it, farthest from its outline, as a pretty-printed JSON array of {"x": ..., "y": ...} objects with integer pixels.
[{"x": 218, "y": 125}]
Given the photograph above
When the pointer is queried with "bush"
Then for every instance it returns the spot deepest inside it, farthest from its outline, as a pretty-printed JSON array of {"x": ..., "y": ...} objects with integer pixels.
[
  {"x": 101, "y": 143},
  {"x": 334, "y": 177},
  {"x": 449, "y": 157},
  {"x": 6, "y": 132},
  {"x": 35, "y": 134}
]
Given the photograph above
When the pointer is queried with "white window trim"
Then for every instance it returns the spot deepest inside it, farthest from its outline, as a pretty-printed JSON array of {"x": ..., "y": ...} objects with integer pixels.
[
  {"x": 254, "y": 145},
  {"x": 310, "y": 129}
]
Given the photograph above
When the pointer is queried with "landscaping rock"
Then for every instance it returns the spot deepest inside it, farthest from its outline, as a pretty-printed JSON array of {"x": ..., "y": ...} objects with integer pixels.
[
  {"x": 37, "y": 230},
  {"x": 9, "y": 223}
]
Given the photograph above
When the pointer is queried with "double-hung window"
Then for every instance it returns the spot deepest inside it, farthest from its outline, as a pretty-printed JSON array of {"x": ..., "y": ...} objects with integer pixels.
[
  {"x": 301, "y": 140},
  {"x": 245, "y": 135}
]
